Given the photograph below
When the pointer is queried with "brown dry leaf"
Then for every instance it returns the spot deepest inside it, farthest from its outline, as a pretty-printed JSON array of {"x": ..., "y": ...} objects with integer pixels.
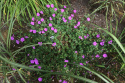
[{"x": 28, "y": 72}]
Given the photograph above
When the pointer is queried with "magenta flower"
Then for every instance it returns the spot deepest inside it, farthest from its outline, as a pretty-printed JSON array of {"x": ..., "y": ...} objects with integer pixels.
[
  {"x": 50, "y": 18},
  {"x": 66, "y": 61},
  {"x": 34, "y": 31},
  {"x": 12, "y": 38},
  {"x": 55, "y": 9},
  {"x": 102, "y": 43},
  {"x": 43, "y": 32},
  {"x": 88, "y": 19},
  {"x": 28, "y": 54},
  {"x": 31, "y": 61},
  {"x": 36, "y": 61},
  {"x": 110, "y": 42},
  {"x": 104, "y": 55},
  {"x": 41, "y": 12},
  {"x": 33, "y": 19},
  {"x": 70, "y": 18},
  {"x": 40, "y": 79},
  {"x": 22, "y": 39},
  {"x": 39, "y": 67},
  {"x": 78, "y": 23},
  {"x": 40, "y": 32},
  {"x": 64, "y": 65},
  {"x": 33, "y": 47},
  {"x": 64, "y": 6},
  {"x": 26, "y": 37},
  {"x": 64, "y": 81},
  {"x": 54, "y": 44},
  {"x": 72, "y": 15},
  {"x": 39, "y": 22},
  {"x": 38, "y": 14},
  {"x": 80, "y": 63},
  {"x": 74, "y": 11},
  {"x": 60, "y": 80},
  {"x": 52, "y": 28},
  {"x": 48, "y": 6},
  {"x": 85, "y": 37},
  {"x": 55, "y": 30},
  {"x": 50, "y": 24},
  {"x": 83, "y": 56},
  {"x": 65, "y": 21},
  {"x": 31, "y": 30},
  {"x": 76, "y": 52},
  {"x": 13, "y": 69},
  {"x": 75, "y": 27},
  {"x": 53, "y": 15},
  {"x": 98, "y": 35},
  {"x": 80, "y": 37},
  {"x": 97, "y": 56},
  {"x": 52, "y": 5},
  {"x": 40, "y": 43},
  {"x": 94, "y": 43},
  {"x": 42, "y": 19},
  {"x": 17, "y": 41},
  {"x": 62, "y": 10},
  {"x": 45, "y": 29},
  {"x": 32, "y": 23}
]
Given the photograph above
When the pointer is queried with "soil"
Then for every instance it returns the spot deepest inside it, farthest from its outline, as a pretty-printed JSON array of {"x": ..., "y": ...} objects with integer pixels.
[{"x": 83, "y": 8}]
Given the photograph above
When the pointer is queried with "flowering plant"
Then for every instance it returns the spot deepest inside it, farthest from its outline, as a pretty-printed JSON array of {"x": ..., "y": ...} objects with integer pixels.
[{"x": 69, "y": 41}]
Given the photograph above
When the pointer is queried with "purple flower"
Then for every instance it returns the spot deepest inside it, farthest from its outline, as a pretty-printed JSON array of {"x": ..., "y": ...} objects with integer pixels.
[
  {"x": 102, "y": 43},
  {"x": 33, "y": 19},
  {"x": 55, "y": 9},
  {"x": 78, "y": 23},
  {"x": 34, "y": 31},
  {"x": 28, "y": 54},
  {"x": 75, "y": 26},
  {"x": 64, "y": 6},
  {"x": 76, "y": 52},
  {"x": 42, "y": 19},
  {"x": 43, "y": 32},
  {"x": 41, "y": 12},
  {"x": 98, "y": 35},
  {"x": 39, "y": 22},
  {"x": 48, "y": 6},
  {"x": 62, "y": 10},
  {"x": 80, "y": 37},
  {"x": 80, "y": 63},
  {"x": 88, "y": 19},
  {"x": 32, "y": 23},
  {"x": 54, "y": 44},
  {"x": 38, "y": 14},
  {"x": 52, "y": 5},
  {"x": 94, "y": 43},
  {"x": 74, "y": 11},
  {"x": 85, "y": 37},
  {"x": 64, "y": 65},
  {"x": 12, "y": 38},
  {"x": 52, "y": 28},
  {"x": 26, "y": 37},
  {"x": 55, "y": 30},
  {"x": 50, "y": 18},
  {"x": 40, "y": 32},
  {"x": 72, "y": 15},
  {"x": 31, "y": 61},
  {"x": 33, "y": 47},
  {"x": 64, "y": 81},
  {"x": 36, "y": 61},
  {"x": 17, "y": 41},
  {"x": 110, "y": 42},
  {"x": 66, "y": 61},
  {"x": 39, "y": 67},
  {"x": 45, "y": 29},
  {"x": 22, "y": 39},
  {"x": 13, "y": 69},
  {"x": 40, "y": 79},
  {"x": 53, "y": 15},
  {"x": 31, "y": 30},
  {"x": 70, "y": 18},
  {"x": 83, "y": 56},
  {"x": 97, "y": 56},
  {"x": 104, "y": 55},
  {"x": 40, "y": 43},
  {"x": 60, "y": 80},
  {"x": 50, "y": 24}
]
